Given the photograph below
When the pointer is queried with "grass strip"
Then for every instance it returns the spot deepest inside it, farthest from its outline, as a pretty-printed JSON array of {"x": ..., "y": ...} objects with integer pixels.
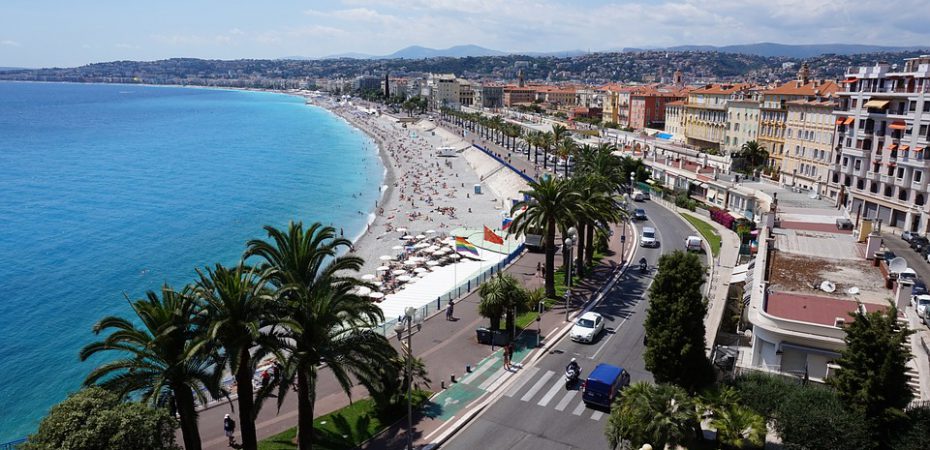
[{"x": 707, "y": 231}]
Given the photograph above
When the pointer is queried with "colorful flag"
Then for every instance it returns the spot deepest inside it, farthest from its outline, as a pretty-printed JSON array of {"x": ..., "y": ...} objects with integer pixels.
[
  {"x": 491, "y": 237},
  {"x": 462, "y": 245},
  {"x": 506, "y": 224}
]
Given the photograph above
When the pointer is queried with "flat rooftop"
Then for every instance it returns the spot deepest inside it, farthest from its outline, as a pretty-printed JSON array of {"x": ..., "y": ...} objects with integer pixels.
[{"x": 814, "y": 308}]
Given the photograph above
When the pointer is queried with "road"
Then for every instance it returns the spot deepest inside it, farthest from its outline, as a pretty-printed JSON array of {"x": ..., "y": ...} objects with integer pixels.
[{"x": 536, "y": 411}]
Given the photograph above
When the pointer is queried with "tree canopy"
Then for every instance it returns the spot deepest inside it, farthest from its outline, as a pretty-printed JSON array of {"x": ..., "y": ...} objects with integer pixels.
[
  {"x": 675, "y": 323},
  {"x": 96, "y": 419}
]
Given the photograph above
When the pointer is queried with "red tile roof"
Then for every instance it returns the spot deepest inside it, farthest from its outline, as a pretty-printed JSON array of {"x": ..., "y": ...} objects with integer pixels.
[{"x": 808, "y": 90}]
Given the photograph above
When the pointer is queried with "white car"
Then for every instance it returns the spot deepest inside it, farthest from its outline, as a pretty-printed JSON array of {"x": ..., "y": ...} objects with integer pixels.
[
  {"x": 694, "y": 244},
  {"x": 648, "y": 238},
  {"x": 587, "y": 327},
  {"x": 921, "y": 303}
]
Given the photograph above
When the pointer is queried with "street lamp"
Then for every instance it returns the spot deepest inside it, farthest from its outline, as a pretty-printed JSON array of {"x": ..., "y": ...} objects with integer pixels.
[
  {"x": 570, "y": 236},
  {"x": 407, "y": 319}
]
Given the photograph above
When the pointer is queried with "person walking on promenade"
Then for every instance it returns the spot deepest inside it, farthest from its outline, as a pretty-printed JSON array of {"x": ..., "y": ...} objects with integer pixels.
[
  {"x": 449, "y": 309},
  {"x": 538, "y": 268},
  {"x": 229, "y": 426},
  {"x": 509, "y": 351}
]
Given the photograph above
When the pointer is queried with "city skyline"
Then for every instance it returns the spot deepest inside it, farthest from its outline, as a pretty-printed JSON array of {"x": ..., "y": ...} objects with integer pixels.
[{"x": 46, "y": 34}]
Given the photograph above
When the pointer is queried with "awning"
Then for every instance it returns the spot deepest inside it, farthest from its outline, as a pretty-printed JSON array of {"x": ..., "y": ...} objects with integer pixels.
[
  {"x": 918, "y": 149},
  {"x": 839, "y": 120},
  {"x": 893, "y": 147},
  {"x": 806, "y": 349},
  {"x": 876, "y": 104},
  {"x": 849, "y": 120},
  {"x": 904, "y": 148},
  {"x": 738, "y": 278},
  {"x": 898, "y": 125},
  {"x": 849, "y": 80}
]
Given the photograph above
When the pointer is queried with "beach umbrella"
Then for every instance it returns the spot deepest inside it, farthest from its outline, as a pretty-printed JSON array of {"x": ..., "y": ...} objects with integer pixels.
[
  {"x": 420, "y": 270},
  {"x": 406, "y": 237},
  {"x": 399, "y": 272},
  {"x": 410, "y": 263},
  {"x": 397, "y": 247},
  {"x": 376, "y": 295},
  {"x": 402, "y": 230},
  {"x": 385, "y": 257},
  {"x": 421, "y": 245},
  {"x": 421, "y": 236},
  {"x": 432, "y": 263},
  {"x": 368, "y": 277},
  {"x": 382, "y": 268},
  {"x": 429, "y": 232},
  {"x": 423, "y": 273},
  {"x": 455, "y": 256},
  {"x": 364, "y": 290},
  {"x": 404, "y": 278}
]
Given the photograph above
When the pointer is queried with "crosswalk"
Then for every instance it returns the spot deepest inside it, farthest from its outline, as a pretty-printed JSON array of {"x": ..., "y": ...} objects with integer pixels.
[{"x": 544, "y": 388}]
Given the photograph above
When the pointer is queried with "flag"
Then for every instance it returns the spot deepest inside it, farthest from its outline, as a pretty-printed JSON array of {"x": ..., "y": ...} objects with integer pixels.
[
  {"x": 491, "y": 237},
  {"x": 506, "y": 223},
  {"x": 462, "y": 245}
]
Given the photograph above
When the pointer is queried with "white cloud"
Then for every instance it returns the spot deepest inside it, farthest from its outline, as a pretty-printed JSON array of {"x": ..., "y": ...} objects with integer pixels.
[
  {"x": 10, "y": 43},
  {"x": 354, "y": 15}
]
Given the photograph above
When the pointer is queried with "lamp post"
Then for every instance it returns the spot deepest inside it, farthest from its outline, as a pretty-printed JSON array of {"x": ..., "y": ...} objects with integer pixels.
[
  {"x": 567, "y": 244},
  {"x": 407, "y": 320}
]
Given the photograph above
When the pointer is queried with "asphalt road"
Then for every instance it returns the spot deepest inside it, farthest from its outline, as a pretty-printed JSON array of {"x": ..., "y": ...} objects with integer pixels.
[{"x": 537, "y": 412}]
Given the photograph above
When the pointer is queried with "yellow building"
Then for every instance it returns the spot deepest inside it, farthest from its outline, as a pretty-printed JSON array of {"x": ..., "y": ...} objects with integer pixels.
[
  {"x": 704, "y": 115},
  {"x": 808, "y": 143}
]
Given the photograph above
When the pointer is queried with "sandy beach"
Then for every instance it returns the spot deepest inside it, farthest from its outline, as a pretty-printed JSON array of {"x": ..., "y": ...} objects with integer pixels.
[{"x": 421, "y": 191}]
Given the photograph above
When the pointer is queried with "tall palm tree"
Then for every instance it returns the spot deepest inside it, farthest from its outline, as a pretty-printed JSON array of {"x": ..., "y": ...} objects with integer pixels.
[
  {"x": 161, "y": 362},
  {"x": 550, "y": 204},
  {"x": 653, "y": 414},
  {"x": 502, "y": 295},
  {"x": 753, "y": 155},
  {"x": 738, "y": 427},
  {"x": 548, "y": 140},
  {"x": 326, "y": 322},
  {"x": 566, "y": 149},
  {"x": 236, "y": 309}
]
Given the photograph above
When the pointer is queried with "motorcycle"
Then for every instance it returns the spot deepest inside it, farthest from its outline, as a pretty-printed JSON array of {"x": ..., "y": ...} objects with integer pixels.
[
  {"x": 571, "y": 377},
  {"x": 643, "y": 267}
]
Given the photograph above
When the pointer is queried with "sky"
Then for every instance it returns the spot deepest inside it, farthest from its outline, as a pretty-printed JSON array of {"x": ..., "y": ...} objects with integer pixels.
[{"x": 42, "y": 33}]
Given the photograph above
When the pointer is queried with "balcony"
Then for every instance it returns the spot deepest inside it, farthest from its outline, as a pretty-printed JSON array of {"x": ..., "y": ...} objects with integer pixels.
[
  {"x": 902, "y": 182},
  {"x": 887, "y": 179},
  {"x": 874, "y": 176},
  {"x": 919, "y": 162},
  {"x": 852, "y": 151}
]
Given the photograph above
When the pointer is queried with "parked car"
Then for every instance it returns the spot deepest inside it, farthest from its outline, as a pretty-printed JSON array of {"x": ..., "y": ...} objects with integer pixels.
[
  {"x": 639, "y": 214},
  {"x": 603, "y": 385},
  {"x": 587, "y": 327},
  {"x": 921, "y": 303},
  {"x": 694, "y": 244},
  {"x": 638, "y": 196},
  {"x": 919, "y": 288},
  {"x": 908, "y": 235},
  {"x": 919, "y": 242},
  {"x": 648, "y": 238}
]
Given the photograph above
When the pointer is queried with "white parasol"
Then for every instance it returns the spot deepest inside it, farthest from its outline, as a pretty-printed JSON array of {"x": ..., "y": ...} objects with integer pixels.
[
  {"x": 406, "y": 237},
  {"x": 385, "y": 257},
  {"x": 376, "y": 295},
  {"x": 404, "y": 278},
  {"x": 420, "y": 270},
  {"x": 401, "y": 229},
  {"x": 455, "y": 256},
  {"x": 397, "y": 247},
  {"x": 364, "y": 290},
  {"x": 421, "y": 245},
  {"x": 399, "y": 272},
  {"x": 429, "y": 232},
  {"x": 369, "y": 277},
  {"x": 410, "y": 263},
  {"x": 432, "y": 263},
  {"x": 382, "y": 268},
  {"x": 421, "y": 236}
]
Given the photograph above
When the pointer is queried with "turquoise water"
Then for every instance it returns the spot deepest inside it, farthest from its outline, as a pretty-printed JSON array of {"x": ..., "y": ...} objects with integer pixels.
[{"x": 113, "y": 189}]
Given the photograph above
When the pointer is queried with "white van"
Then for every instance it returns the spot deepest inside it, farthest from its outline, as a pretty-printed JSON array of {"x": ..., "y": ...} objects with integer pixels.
[
  {"x": 648, "y": 238},
  {"x": 694, "y": 244}
]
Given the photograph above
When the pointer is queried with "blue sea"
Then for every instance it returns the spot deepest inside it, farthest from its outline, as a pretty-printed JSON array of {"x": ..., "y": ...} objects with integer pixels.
[{"x": 108, "y": 191}]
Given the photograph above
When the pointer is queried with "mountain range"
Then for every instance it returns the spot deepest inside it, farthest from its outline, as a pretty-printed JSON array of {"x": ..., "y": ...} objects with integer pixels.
[{"x": 766, "y": 49}]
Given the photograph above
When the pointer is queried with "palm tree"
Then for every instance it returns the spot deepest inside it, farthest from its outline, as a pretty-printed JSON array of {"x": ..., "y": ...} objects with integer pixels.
[
  {"x": 738, "y": 426},
  {"x": 548, "y": 141},
  {"x": 653, "y": 414},
  {"x": 550, "y": 204},
  {"x": 161, "y": 362},
  {"x": 566, "y": 149},
  {"x": 502, "y": 295},
  {"x": 327, "y": 323},
  {"x": 236, "y": 309},
  {"x": 753, "y": 156}
]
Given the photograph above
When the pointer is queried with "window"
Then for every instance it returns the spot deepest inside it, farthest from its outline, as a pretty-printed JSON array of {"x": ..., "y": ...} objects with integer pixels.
[
  {"x": 858, "y": 164},
  {"x": 912, "y": 106},
  {"x": 900, "y": 173},
  {"x": 918, "y": 175},
  {"x": 923, "y": 130},
  {"x": 926, "y": 106}
]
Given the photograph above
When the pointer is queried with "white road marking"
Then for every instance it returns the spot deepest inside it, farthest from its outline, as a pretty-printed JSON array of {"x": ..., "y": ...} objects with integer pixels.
[
  {"x": 500, "y": 380},
  {"x": 492, "y": 379},
  {"x": 478, "y": 371},
  {"x": 579, "y": 409},
  {"x": 565, "y": 400},
  {"x": 597, "y": 415},
  {"x": 559, "y": 385},
  {"x": 536, "y": 387},
  {"x": 531, "y": 372}
]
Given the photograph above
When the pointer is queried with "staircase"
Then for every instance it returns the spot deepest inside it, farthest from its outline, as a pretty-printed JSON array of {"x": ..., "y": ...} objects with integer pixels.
[{"x": 913, "y": 377}]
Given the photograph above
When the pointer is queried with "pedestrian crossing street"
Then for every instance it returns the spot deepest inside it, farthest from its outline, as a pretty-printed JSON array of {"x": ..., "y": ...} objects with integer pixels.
[{"x": 544, "y": 388}]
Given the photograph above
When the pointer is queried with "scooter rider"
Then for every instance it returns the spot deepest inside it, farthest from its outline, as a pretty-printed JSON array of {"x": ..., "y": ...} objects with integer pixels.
[
  {"x": 643, "y": 263},
  {"x": 573, "y": 367}
]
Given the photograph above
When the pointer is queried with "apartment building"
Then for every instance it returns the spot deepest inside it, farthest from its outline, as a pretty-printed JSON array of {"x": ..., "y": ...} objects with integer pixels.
[
  {"x": 617, "y": 103},
  {"x": 519, "y": 95},
  {"x": 675, "y": 120},
  {"x": 704, "y": 114},
  {"x": 467, "y": 93},
  {"x": 881, "y": 168},
  {"x": 743, "y": 119},
  {"x": 774, "y": 114},
  {"x": 444, "y": 91},
  {"x": 647, "y": 106},
  {"x": 491, "y": 96},
  {"x": 809, "y": 143},
  {"x": 556, "y": 96}
]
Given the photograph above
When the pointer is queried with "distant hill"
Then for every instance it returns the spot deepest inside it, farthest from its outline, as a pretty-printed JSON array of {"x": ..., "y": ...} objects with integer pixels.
[
  {"x": 7, "y": 69},
  {"x": 419, "y": 52},
  {"x": 769, "y": 49}
]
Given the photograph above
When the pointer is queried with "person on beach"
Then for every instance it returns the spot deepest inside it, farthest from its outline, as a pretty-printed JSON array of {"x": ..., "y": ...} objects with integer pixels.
[{"x": 229, "y": 426}]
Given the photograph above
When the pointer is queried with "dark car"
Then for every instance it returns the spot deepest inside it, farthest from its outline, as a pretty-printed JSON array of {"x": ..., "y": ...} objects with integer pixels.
[
  {"x": 603, "y": 385},
  {"x": 920, "y": 288},
  {"x": 639, "y": 214},
  {"x": 908, "y": 235},
  {"x": 918, "y": 243}
]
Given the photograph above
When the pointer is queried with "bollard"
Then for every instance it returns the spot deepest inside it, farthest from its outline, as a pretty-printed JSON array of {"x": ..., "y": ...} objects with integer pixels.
[
  {"x": 467, "y": 368},
  {"x": 452, "y": 378},
  {"x": 442, "y": 384}
]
